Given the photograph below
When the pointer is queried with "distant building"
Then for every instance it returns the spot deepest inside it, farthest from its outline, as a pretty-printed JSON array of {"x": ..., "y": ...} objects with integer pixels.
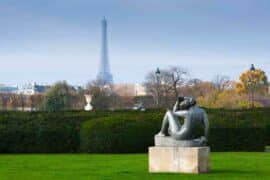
[
  {"x": 32, "y": 88},
  {"x": 140, "y": 90},
  {"x": 8, "y": 89},
  {"x": 129, "y": 89}
]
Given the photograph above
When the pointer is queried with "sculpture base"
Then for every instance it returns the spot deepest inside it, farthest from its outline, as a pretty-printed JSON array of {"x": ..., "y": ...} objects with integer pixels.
[
  {"x": 167, "y": 141},
  {"x": 179, "y": 159}
]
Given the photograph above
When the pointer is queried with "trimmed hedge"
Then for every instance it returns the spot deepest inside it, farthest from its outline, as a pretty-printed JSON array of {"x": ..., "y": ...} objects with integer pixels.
[
  {"x": 35, "y": 133},
  {"x": 237, "y": 139},
  {"x": 267, "y": 135},
  {"x": 129, "y": 135},
  {"x": 122, "y": 131},
  {"x": 118, "y": 135},
  {"x": 42, "y": 132}
]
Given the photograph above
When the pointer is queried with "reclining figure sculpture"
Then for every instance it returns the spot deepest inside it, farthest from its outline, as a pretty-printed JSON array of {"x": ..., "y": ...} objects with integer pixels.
[{"x": 172, "y": 133}]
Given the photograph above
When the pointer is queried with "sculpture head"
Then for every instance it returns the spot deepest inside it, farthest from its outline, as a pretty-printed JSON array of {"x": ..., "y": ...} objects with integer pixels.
[
  {"x": 180, "y": 99},
  {"x": 187, "y": 103}
]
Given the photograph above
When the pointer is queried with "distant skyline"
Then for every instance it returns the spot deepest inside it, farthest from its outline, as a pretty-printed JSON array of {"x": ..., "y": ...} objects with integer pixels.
[{"x": 47, "y": 41}]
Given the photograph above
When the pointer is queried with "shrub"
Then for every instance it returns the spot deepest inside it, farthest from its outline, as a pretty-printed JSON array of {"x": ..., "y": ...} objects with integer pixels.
[
  {"x": 121, "y": 131},
  {"x": 124, "y": 134},
  {"x": 237, "y": 139},
  {"x": 118, "y": 134},
  {"x": 267, "y": 140},
  {"x": 40, "y": 132}
]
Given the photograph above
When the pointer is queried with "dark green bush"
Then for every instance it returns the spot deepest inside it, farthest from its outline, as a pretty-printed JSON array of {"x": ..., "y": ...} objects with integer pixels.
[
  {"x": 118, "y": 134},
  {"x": 135, "y": 134},
  {"x": 39, "y": 132},
  {"x": 237, "y": 139},
  {"x": 121, "y": 131},
  {"x": 17, "y": 135},
  {"x": 267, "y": 135},
  {"x": 57, "y": 135}
]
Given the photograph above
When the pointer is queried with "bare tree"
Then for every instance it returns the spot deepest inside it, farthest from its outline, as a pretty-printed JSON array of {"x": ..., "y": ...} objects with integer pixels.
[
  {"x": 13, "y": 102},
  {"x": 194, "y": 82},
  {"x": 35, "y": 101},
  {"x": 77, "y": 99},
  {"x": 157, "y": 87},
  {"x": 221, "y": 82},
  {"x": 176, "y": 77},
  {"x": 103, "y": 95},
  {"x": 4, "y": 99},
  {"x": 167, "y": 85}
]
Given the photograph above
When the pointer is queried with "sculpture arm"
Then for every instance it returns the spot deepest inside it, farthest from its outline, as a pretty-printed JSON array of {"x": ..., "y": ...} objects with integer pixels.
[
  {"x": 206, "y": 125},
  {"x": 181, "y": 113},
  {"x": 175, "y": 107}
]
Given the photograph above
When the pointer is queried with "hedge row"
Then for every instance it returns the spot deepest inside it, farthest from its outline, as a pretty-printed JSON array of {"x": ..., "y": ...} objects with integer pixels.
[
  {"x": 46, "y": 134},
  {"x": 40, "y": 132},
  {"x": 43, "y": 132},
  {"x": 122, "y": 131},
  {"x": 118, "y": 134},
  {"x": 129, "y": 135}
]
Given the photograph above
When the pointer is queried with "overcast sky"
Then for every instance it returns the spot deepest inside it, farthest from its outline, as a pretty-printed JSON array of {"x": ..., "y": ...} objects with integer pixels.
[{"x": 50, "y": 40}]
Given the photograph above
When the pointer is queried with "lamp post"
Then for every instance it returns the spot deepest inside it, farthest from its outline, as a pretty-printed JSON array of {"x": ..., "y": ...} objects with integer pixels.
[
  {"x": 251, "y": 89},
  {"x": 251, "y": 85},
  {"x": 158, "y": 84}
]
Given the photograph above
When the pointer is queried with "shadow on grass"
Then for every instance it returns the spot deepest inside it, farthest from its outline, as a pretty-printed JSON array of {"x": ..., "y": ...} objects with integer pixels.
[
  {"x": 215, "y": 172},
  {"x": 231, "y": 171}
]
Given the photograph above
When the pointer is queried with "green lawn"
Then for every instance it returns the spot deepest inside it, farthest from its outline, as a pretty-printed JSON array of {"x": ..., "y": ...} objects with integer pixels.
[{"x": 84, "y": 166}]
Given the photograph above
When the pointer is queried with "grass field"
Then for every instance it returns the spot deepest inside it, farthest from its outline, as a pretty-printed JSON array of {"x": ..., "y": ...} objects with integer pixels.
[{"x": 128, "y": 166}]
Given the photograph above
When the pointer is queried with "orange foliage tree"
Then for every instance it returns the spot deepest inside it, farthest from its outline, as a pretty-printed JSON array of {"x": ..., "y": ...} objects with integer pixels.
[{"x": 252, "y": 80}]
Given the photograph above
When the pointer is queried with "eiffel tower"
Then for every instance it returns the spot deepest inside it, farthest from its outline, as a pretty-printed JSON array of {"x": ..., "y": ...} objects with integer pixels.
[{"x": 104, "y": 69}]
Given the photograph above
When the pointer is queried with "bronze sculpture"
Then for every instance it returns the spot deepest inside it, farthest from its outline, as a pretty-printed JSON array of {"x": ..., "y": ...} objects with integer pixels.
[{"x": 184, "y": 135}]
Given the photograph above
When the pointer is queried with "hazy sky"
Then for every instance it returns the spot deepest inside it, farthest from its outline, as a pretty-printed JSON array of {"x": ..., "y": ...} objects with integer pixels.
[{"x": 50, "y": 40}]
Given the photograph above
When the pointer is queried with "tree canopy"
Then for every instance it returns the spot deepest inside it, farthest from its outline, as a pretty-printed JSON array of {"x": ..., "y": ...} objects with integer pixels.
[
  {"x": 58, "y": 97},
  {"x": 252, "y": 80}
]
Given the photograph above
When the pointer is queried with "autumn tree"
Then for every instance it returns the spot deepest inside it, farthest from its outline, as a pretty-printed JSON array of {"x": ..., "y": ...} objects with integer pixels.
[
  {"x": 197, "y": 88},
  {"x": 252, "y": 82}
]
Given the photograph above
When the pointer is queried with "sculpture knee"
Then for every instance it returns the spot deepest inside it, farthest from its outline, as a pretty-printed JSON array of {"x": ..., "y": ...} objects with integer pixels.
[{"x": 169, "y": 113}]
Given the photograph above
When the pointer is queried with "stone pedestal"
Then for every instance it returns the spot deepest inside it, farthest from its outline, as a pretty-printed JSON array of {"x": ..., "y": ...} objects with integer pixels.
[
  {"x": 166, "y": 141},
  {"x": 179, "y": 159}
]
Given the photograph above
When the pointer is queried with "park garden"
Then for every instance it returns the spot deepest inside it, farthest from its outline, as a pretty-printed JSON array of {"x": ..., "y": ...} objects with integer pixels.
[
  {"x": 113, "y": 144},
  {"x": 57, "y": 140},
  {"x": 174, "y": 66}
]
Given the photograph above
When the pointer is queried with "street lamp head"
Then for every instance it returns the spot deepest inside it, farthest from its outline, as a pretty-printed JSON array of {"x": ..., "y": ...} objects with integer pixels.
[
  {"x": 252, "y": 68},
  {"x": 157, "y": 72}
]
